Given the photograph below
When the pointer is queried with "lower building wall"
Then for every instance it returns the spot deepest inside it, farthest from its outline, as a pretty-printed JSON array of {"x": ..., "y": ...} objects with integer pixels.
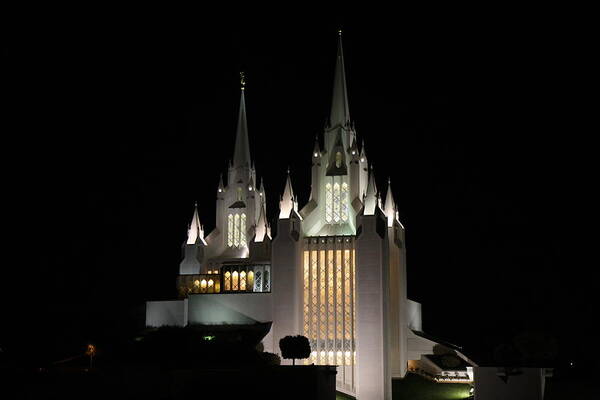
[
  {"x": 232, "y": 308},
  {"x": 169, "y": 312}
]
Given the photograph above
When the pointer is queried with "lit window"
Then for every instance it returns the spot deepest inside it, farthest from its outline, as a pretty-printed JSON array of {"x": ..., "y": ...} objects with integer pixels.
[
  {"x": 211, "y": 286},
  {"x": 236, "y": 230},
  {"x": 344, "y": 201},
  {"x": 243, "y": 280},
  {"x": 243, "y": 230},
  {"x": 196, "y": 282},
  {"x": 235, "y": 281},
  {"x": 336, "y": 202},
  {"x": 203, "y": 286},
  {"x": 230, "y": 230},
  {"x": 227, "y": 280},
  {"x": 328, "y": 202},
  {"x": 250, "y": 279}
]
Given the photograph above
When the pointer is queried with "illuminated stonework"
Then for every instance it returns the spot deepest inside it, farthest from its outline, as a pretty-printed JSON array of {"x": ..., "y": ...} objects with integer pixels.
[
  {"x": 335, "y": 272},
  {"x": 328, "y": 304}
]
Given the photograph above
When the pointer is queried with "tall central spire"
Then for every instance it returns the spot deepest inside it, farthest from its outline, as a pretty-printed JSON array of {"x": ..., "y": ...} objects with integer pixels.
[
  {"x": 340, "y": 112},
  {"x": 241, "y": 155}
]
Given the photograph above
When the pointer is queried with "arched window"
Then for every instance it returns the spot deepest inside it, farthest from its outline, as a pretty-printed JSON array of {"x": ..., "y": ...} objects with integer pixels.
[
  {"x": 243, "y": 280},
  {"x": 336, "y": 203},
  {"x": 250, "y": 280},
  {"x": 235, "y": 281},
  {"x": 243, "y": 230},
  {"x": 236, "y": 230},
  {"x": 203, "y": 286},
  {"x": 328, "y": 202},
  {"x": 230, "y": 230},
  {"x": 227, "y": 280},
  {"x": 211, "y": 286}
]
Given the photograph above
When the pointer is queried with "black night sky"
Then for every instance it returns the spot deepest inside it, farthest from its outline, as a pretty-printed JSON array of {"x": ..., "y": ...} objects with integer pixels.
[{"x": 117, "y": 122}]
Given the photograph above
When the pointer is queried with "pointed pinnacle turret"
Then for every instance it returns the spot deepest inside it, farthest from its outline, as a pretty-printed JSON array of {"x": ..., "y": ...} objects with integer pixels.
[
  {"x": 196, "y": 230},
  {"x": 316, "y": 148},
  {"x": 371, "y": 197},
  {"x": 288, "y": 201},
  {"x": 241, "y": 155},
  {"x": 221, "y": 187},
  {"x": 390, "y": 205},
  {"x": 261, "y": 224},
  {"x": 340, "y": 112}
]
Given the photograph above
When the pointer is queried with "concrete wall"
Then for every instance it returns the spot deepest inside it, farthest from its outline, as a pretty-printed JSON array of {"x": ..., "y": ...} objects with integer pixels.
[
  {"x": 372, "y": 291},
  {"x": 413, "y": 311},
  {"x": 232, "y": 308},
  {"x": 170, "y": 312},
  {"x": 528, "y": 385},
  {"x": 285, "y": 271}
]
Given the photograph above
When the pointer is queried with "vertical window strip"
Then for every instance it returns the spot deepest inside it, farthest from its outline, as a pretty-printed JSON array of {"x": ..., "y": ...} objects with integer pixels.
[
  {"x": 344, "y": 201},
  {"x": 235, "y": 281},
  {"x": 322, "y": 298},
  {"x": 328, "y": 203},
  {"x": 230, "y": 230},
  {"x": 315, "y": 306},
  {"x": 236, "y": 230},
  {"x": 306, "y": 294},
  {"x": 243, "y": 230},
  {"x": 227, "y": 280},
  {"x": 336, "y": 202}
]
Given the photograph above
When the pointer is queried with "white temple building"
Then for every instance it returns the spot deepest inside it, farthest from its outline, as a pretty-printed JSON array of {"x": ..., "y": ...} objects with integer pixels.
[{"x": 334, "y": 272}]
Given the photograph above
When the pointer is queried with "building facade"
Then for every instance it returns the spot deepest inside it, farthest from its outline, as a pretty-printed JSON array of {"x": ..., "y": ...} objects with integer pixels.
[{"x": 335, "y": 271}]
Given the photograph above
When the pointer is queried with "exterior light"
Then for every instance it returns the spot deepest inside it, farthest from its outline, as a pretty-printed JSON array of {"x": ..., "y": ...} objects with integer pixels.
[
  {"x": 316, "y": 154},
  {"x": 220, "y": 190},
  {"x": 362, "y": 159},
  {"x": 260, "y": 193},
  {"x": 353, "y": 152},
  {"x": 250, "y": 188}
]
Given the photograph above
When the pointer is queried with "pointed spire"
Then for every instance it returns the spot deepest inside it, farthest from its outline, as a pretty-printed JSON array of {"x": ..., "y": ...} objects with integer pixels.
[
  {"x": 241, "y": 155},
  {"x": 363, "y": 153},
  {"x": 340, "y": 112},
  {"x": 390, "y": 205},
  {"x": 288, "y": 201},
  {"x": 196, "y": 230},
  {"x": 371, "y": 200},
  {"x": 261, "y": 225},
  {"x": 221, "y": 187},
  {"x": 316, "y": 149}
]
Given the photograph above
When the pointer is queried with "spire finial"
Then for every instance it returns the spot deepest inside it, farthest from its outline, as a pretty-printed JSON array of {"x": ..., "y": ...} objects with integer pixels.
[
  {"x": 288, "y": 170},
  {"x": 196, "y": 203},
  {"x": 243, "y": 80},
  {"x": 340, "y": 32}
]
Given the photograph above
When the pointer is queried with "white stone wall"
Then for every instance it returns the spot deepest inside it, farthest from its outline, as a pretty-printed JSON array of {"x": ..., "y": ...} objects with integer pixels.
[{"x": 170, "y": 312}]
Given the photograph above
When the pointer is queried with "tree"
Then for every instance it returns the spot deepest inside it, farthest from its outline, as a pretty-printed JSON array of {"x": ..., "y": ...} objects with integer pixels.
[{"x": 294, "y": 347}]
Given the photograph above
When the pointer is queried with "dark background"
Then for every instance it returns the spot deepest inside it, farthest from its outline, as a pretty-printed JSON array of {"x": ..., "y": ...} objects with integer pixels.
[{"x": 118, "y": 120}]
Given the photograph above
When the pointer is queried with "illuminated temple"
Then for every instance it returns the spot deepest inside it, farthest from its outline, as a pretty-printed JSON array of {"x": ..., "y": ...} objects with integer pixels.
[{"x": 334, "y": 272}]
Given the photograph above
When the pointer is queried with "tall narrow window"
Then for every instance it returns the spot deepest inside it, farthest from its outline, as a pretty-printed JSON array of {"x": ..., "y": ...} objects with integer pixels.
[
  {"x": 328, "y": 203},
  {"x": 230, "y": 230},
  {"x": 239, "y": 194},
  {"x": 243, "y": 280},
  {"x": 235, "y": 281},
  {"x": 227, "y": 280},
  {"x": 344, "y": 202},
  {"x": 236, "y": 230},
  {"x": 250, "y": 280},
  {"x": 336, "y": 202},
  {"x": 338, "y": 159},
  {"x": 243, "y": 230}
]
